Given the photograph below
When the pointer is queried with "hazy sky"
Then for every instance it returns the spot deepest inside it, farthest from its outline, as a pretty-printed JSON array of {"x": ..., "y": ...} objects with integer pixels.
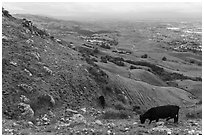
[{"x": 90, "y": 10}]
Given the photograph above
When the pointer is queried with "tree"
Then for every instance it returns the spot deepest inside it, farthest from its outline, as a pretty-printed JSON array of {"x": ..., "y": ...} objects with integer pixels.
[{"x": 164, "y": 58}]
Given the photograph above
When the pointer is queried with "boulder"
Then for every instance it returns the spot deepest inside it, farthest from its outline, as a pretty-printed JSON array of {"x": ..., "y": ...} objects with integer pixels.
[
  {"x": 26, "y": 111},
  {"x": 26, "y": 88},
  {"x": 24, "y": 99},
  {"x": 47, "y": 70},
  {"x": 98, "y": 122},
  {"x": 78, "y": 118}
]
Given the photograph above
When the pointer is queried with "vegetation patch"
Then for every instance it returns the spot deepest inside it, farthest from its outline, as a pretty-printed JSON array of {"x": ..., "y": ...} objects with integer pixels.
[{"x": 164, "y": 75}]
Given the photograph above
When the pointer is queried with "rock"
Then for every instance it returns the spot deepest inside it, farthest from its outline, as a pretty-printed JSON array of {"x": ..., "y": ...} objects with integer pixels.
[
  {"x": 15, "y": 124},
  {"x": 83, "y": 109},
  {"x": 109, "y": 132},
  {"x": 64, "y": 125},
  {"x": 38, "y": 123},
  {"x": 27, "y": 112},
  {"x": 168, "y": 132},
  {"x": 45, "y": 120},
  {"x": 110, "y": 125},
  {"x": 51, "y": 114},
  {"x": 48, "y": 71},
  {"x": 161, "y": 124},
  {"x": 30, "y": 123},
  {"x": 4, "y": 38},
  {"x": 199, "y": 132},
  {"x": 24, "y": 99},
  {"x": 29, "y": 41},
  {"x": 135, "y": 123},
  {"x": 70, "y": 112},
  {"x": 26, "y": 88},
  {"x": 126, "y": 129},
  {"x": 191, "y": 132},
  {"x": 194, "y": 124},
  {"x": 27, "y": 71},
  {"x": 98, "y": 122},
  {"x": 78, "y": 118},
  {"x": 13, "y": 63},
  {"x": 36, "y": 55}
]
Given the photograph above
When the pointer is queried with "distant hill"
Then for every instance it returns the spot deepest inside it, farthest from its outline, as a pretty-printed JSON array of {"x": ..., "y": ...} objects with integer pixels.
[{"x": 147, "y": 95}]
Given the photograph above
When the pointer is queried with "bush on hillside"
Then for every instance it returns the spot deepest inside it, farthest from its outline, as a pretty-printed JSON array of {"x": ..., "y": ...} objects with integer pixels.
[
  {"x": 133, "y": 67},
  {"x": 98, "y": 74},
  {"x": 103, "y": 59},
  {"x": 144, "y": 56},
  {"x": 199, "y": 63},
  {"x": 5, "y": 13},
  {"x": 96, "y": 51},
  {"x": 164, "y": 58}
]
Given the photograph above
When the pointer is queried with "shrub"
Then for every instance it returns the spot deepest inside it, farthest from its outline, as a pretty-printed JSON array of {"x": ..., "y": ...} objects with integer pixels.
[
  {"x": 111, "y": 113},
  {"x": 192, "y": 61},
  {"x": 199, "y": 103},
  {"x": 199, "y": 63},
  {"x": 96, "y": 50},
  {"x": 164, "y": 58},
  {"x": 5, "y": 13},
  {"x": 133, "y": 67},
  {"x": 103, "y": 59},
  {"x": 119, "y": 63},
  {"x": 137, "y": 109},
  {"x": 98, "y": 74},
  {"x": 144, "y": 56},
  {"x": 52, "y": 37},
  {"x": 108, "y": 88}
]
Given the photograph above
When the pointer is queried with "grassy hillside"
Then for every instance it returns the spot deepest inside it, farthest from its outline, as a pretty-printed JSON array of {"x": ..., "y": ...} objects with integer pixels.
[
  {"x": 147, "y": 95},
  {"x": 53, "y": 75}
]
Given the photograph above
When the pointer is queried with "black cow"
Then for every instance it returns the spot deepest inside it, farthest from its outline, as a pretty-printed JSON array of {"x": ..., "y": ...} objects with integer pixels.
[
  {"x": 102, "y": 101},
  {"x": 161, "y": 112}
]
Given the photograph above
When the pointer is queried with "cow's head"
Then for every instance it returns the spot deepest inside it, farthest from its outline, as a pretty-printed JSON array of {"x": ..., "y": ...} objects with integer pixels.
[{"x": 142, "y": 119}]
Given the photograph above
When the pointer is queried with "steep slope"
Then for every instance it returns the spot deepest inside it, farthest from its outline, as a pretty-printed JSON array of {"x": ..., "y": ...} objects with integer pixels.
[{"x": 38, "y": 68}]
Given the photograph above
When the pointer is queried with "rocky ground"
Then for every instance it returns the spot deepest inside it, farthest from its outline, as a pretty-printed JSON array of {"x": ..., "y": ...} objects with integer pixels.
[{"x": 88, "y": 121}]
